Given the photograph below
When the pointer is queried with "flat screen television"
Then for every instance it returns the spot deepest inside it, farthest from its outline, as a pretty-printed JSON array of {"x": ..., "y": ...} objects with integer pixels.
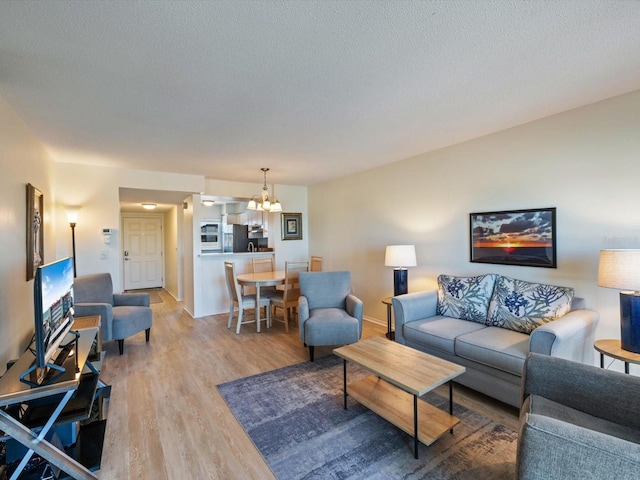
[{"x": 53, "y": 315}]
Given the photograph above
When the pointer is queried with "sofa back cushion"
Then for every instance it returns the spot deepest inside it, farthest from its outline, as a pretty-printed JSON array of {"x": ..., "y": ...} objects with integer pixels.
[
  {"x": 466, "y": 298},
  {"x": 524, "y": 306}
]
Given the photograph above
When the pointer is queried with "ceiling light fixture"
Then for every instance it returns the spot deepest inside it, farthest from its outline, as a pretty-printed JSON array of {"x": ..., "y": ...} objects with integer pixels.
[
  {"x": 208, "y": 203},
  {"x": 264, "y": 202},
  {"x": 149, "y": 206}
]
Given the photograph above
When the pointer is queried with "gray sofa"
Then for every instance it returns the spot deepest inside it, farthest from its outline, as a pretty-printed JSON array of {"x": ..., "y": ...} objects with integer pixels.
[
  {"x": 577, "y": 422},
  {"x": 490, "y": 323}
]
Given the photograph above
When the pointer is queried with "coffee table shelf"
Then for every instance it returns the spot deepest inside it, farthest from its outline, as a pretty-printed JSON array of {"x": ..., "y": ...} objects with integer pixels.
[{"x": 396, "y": 406}]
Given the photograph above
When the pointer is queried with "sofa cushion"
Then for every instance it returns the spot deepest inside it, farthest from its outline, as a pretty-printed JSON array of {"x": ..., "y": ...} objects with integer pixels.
[
  {"x": 439, "y": 332},
  {"x": 524, "y": 306},
  {"x": 543, "y": 406},
  {"x": 495, "y": 347},
  {"x": 466, "y": 298}
]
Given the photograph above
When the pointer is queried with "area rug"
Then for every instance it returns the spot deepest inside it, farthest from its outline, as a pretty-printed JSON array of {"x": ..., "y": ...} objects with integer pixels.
[
  {"x": 154, "y": 296},
  {"x": 295, "y": 417}
]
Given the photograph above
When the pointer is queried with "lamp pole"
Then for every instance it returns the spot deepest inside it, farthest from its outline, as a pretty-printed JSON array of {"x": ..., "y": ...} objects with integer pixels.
[{"x": 73, "y": 246}]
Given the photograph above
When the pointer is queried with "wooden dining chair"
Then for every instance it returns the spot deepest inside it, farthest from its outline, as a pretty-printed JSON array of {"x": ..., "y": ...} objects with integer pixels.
[
  {"x": 315, "y": 264},
  {"x": 241, "y": 301},
  {"x": 287, "y": 299},
  {"x": 258, "y": 265}
]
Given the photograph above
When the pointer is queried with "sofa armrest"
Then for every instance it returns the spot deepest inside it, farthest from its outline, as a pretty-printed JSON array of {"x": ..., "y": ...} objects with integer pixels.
[
  {"x": 413, "y": 306},
  {"x": 570, "y": 336},
  {"x": 105, "y": 310},
  {"x": 303, "y": 314},
  {"x": 602, "y": 393},
  {"x": 355, "y": 307},
  {"x": 131, "y": 299},
  {"x": 550, "y": 449}
]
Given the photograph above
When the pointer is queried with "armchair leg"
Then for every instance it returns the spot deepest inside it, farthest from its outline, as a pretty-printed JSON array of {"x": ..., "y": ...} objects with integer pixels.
[
  {"x": 311, "y": 352},
  {"x": 147, "y": 333},
  {"x": 121, "y": 346}
]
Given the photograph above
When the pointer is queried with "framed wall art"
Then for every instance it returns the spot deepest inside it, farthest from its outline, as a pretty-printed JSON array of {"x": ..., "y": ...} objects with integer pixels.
[
  {"x": 514, "y": 237},
  {"x": 35, "y": 230},
  {"x": 291, "y": 226}
]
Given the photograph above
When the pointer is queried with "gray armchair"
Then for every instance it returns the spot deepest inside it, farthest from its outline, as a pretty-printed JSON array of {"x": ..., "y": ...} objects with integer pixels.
[
  {"x": 122, "y": 315},
  {"x": 577, "y": 422},
  {"x": 328, "y": 313}
]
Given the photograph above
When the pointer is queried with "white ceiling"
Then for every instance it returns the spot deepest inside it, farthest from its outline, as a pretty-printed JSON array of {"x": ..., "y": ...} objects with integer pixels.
[{"x": 312, "y": 89}]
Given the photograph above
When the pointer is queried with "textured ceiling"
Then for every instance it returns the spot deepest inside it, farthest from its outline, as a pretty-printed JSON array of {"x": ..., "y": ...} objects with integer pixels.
[{"x": 313, "y": 90}]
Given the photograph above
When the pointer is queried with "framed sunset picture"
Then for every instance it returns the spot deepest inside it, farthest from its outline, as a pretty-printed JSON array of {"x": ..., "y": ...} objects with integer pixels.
[{"x": 514, "y": 237}]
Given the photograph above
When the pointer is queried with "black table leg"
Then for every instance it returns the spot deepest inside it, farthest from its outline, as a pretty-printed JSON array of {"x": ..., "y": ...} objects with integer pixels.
[
  {"x": 344, "y": 385},
  {"x": 451, "y": 402},
  {"x": 415, "y": 426}
]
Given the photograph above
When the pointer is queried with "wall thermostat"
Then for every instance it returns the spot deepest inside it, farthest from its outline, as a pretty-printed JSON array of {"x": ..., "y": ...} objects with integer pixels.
[{"x": 106, "y": 234}]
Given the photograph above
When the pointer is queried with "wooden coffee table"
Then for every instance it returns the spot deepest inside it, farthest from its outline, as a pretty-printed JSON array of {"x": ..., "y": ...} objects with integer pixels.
[{"x": 400, "y": 375}]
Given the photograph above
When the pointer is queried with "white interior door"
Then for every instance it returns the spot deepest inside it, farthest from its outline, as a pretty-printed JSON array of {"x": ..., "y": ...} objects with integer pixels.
[{"x": 142, "y": 250}]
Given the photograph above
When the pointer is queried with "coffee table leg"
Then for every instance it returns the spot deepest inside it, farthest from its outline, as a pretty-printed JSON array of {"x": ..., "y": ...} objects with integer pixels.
[
  {"x": 415, "y": 426},
  {"x": 344, "y": 385},
  {"x": 451, "y": 401}
]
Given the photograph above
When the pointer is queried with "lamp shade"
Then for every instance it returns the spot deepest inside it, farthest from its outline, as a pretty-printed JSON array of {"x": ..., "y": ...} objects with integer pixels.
[
  {"x": 400, "y": 256},
  {"x": 619, "y": 269},
  {"x": 72, "y": 213}
]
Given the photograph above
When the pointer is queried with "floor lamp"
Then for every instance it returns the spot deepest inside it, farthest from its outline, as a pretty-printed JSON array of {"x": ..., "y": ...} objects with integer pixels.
[
  {"x": 72, "y": 216},
  {"x": 400, "y": 257},
  {"x": 620, "y": 269}
]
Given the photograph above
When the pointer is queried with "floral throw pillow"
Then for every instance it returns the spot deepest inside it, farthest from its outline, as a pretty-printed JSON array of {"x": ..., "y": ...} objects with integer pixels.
[
  {"x": 524, "y": 306},
  {"x": 466, "y": 298}
]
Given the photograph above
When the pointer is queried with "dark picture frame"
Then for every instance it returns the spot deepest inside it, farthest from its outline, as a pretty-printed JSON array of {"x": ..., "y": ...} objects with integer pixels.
[
  {"x": 35, "y": 230},
  {"x": 514, "y": 237},
  {"x": 291, "y": 226}
]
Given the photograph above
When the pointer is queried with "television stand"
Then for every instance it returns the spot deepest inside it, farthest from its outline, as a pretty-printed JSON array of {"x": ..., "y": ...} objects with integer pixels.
[{"x": 62, "y": 389}]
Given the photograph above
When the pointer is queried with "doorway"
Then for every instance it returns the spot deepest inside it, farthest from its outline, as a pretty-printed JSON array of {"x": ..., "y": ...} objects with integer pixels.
[{"x": 142, "y": 252}]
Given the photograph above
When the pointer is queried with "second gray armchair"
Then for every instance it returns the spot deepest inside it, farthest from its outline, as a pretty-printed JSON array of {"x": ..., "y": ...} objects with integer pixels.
[
  {"x": 329, "y": 314},
  {"x": 123, "y": 314},
  {"x": 577, "y": 422}
]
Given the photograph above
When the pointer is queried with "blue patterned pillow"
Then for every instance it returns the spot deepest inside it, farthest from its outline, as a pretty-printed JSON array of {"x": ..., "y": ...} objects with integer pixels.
[
  {"x": 466, "y": 298},
  {"x": 524, "y": 306}
]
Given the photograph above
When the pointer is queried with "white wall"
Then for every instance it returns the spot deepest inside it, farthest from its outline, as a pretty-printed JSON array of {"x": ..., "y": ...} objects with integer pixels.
[
  {"x": 173, "y": 252},
  {"x": 585, "y": 162},
  {"x": 22, "y": 160},
  {"x": 96, "y": 190}
]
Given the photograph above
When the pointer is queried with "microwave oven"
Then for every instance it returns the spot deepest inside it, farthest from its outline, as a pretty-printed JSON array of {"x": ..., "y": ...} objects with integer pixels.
[{"x": 211, "y": 235}]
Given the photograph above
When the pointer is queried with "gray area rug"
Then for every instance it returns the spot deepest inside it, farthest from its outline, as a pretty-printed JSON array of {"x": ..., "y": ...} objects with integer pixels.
[{"x": 295, "y": 417}]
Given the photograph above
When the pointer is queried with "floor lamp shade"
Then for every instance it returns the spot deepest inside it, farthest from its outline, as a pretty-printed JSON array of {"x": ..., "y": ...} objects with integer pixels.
[
  {"x": 620, "y": 269},
  {"x": 400, "y": 257}
]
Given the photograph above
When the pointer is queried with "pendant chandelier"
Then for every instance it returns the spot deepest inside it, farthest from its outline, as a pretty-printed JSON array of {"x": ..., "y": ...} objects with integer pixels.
[{"x": 264, "y": 202}]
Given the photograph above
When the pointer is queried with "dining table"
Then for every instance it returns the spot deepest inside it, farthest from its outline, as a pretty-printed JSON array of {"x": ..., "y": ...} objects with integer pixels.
[{"x": 258, "y": 280}]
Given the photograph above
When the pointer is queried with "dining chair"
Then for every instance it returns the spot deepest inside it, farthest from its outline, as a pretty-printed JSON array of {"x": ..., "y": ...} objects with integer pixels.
[
  {"x": 287, "y": 299},
  {"x": 259, "y": 265},
  {"x": 240, "y": 301},
  {"x": 315, "y": 264}
]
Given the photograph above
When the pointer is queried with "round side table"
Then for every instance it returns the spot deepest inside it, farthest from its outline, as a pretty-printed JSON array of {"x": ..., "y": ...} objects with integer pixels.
[
  {"x": 613, "y": 348},
  {"x": 391, "y": 335}
]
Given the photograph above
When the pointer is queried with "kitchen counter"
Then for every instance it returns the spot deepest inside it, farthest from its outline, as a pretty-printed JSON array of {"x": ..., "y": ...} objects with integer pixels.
[
  {"x": 210, "y": 288},
  {"x": 226, "y": 254}
]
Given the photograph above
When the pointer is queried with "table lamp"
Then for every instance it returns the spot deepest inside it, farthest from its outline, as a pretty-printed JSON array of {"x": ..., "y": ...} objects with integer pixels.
[
  {"x": 400, "y": 257},
  {"x": 620, "y": 269}
]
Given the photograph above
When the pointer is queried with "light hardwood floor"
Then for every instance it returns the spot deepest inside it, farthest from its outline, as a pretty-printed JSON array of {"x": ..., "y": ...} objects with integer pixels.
[{"x": 166, "y": 419}]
